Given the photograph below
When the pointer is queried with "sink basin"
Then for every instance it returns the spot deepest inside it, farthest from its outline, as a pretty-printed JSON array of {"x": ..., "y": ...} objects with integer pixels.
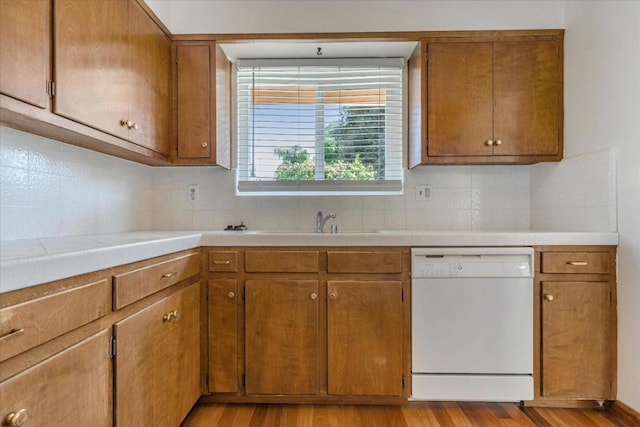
[{"x": 307, "y": 233}]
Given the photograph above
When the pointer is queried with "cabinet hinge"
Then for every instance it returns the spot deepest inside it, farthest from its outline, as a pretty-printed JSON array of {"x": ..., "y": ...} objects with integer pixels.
[
  {"x": 243, "y": 380},
  {"x": 243, "y": 293},
  {"x": 51, "y": 88},
  {"x": 112, "y": 347},
  {"x": 402, "y": 293},
  {"x": 403, "y": 382}
]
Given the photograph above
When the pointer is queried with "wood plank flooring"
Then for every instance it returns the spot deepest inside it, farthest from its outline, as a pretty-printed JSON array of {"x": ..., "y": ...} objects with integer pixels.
[{"x": 418, "y": 414}]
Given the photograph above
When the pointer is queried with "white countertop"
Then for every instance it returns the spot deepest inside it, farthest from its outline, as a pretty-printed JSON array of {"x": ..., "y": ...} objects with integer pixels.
[{"x": 30, "y": 262}]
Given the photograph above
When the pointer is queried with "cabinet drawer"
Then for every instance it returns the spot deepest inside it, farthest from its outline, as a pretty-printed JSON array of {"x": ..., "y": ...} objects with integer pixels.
[
  {"x": 70, "y": 388},
  {"x": 281, "y": 261},
  {"x": 26, "y": 325},
  {"x": 364, "y": 262},
  {"x": 223, "y": 261},
  {"x": 134, "y": 285},
  {"x": 575, "y": 262}
]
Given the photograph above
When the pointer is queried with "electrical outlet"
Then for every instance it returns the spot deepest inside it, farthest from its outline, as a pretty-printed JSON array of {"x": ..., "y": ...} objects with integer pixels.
[
  {"x": 193, "y": 192},
  {"x": 423, "y": 192}
]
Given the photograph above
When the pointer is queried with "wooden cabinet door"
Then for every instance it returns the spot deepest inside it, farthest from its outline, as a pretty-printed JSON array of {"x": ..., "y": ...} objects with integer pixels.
[
  {"x": 74, "y": 384},
  {"x": 91, "y": 63},
  {"x": 24, "y": 51},
  {"x": 577, "y": 340},
  {"x": 460, "y": 99},
  {"x": 157, "y": 365},
  {"x": 223, "y": 336},
  {"x": 150, "y": 61},
  {"x": 281, "y": 337},
  {"x": 203, "y": 104},
  {"x": 528, "y": 103},
  {"x": 364, "y": 331},
  {"x": 196, "y": 111}
]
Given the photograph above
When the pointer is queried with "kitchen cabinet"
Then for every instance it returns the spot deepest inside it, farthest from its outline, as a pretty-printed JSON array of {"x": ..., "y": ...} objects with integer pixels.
[
  {"x": 24, "y": 51},
  {"x": 281, "y": 337},
  {"x": 112, "y": 70},
  {"x": 364, "y": 338},
  {"x": 157, "y": 362},
  {"x": 487, "y": 100},
  {"x": 203, "y": 98},
  {"x": 74, "y": 384},
  {"x": 576, "y": 312},
  {"x": 313, "y": 324}
]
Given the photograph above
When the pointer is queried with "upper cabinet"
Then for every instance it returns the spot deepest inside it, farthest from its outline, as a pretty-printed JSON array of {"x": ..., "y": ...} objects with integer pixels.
[
  {"x": 24, "y": 50},
  {"x": 477, "y": 100},
  {"x": 203, "y": 97},
  {"x": 112, "y": 68}
]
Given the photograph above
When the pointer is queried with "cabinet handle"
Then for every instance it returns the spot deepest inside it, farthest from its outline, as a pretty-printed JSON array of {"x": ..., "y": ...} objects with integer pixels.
[
  {"x": 12, "y": 333},
  {"x": 134, "y": 126},
  {"x": 169, "y": 275},
  {"x": 548, "y": 297},
  {"x": 16, "y": 419},
  {"x": 175, "y": 314},
  {"x": 577, "y": 263},
  {"x": 489, "y": 143},
  {"x": 333, "y": 295},
  {"x": 498, "y": 142},
  {"x": 204, "y": 144},
  {"x": 314, "y": 296},
  {"x": 126, "y": 123},
  {"x": 222, "y": 262},
  {"x": 170, "y": 316},
  {"x": 231, "y": 294}
]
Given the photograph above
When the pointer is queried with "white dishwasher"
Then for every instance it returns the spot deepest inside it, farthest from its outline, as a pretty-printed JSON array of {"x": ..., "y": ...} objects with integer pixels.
[{"x": 472, "y": 324}]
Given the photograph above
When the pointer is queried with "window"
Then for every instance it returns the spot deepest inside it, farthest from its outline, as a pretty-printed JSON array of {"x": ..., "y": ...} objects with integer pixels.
[{"x": 319, "y": 126}]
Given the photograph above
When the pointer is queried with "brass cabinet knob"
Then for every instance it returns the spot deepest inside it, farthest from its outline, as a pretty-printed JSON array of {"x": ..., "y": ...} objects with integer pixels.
[
  {"x": 314, "y": 295},
  {"x": 231, "y": 294},
  {"x": 205, "y": 144},
  {"x": 169, "y": 275},
  {"x": 333, "y": 295},
  {"x": 166, "y": 317},
  {"x": 548, "y": 297},
  {"x": 489, "y": 143},
  {"x": 16, "y": 419},
  {"x": 498, "y": 142},
  {"x": 578, "y": 263},
  {"x": 175, "y": 314}
]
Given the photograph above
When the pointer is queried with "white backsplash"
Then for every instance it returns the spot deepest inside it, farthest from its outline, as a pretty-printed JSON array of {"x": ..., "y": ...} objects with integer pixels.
[
  {"x": 577, "y": 194},
  {"x": 50, "y": 189},
  {"x": 463, "y": 198}
]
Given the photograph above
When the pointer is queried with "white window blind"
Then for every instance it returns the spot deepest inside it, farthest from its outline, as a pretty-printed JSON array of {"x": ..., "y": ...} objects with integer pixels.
[{"x": 321, "y": 126}]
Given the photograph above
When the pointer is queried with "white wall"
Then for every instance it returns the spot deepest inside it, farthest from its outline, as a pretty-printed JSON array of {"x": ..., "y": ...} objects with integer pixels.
[
  {"x": 50, "y": 189},
  {"x": 602, "y": 104},
  {"x": 281, "y": 16}
]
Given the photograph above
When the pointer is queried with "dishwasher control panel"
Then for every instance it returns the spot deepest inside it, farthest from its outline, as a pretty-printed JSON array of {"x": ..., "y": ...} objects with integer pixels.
[{"x": 472, "y": 262}]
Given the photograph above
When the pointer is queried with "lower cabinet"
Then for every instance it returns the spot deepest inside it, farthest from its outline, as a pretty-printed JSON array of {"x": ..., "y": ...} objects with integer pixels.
[
  {"x": 281, "y": 337},
  {"x": 364, "y": 338},
  {"x": 71, "y": 387},
  {"x": 157, "y": 362},
  {"x": 308, "y": 325}
]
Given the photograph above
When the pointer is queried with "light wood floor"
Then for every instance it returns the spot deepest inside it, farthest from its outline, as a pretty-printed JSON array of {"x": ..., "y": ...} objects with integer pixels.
[{"x": 421, "y": 414}]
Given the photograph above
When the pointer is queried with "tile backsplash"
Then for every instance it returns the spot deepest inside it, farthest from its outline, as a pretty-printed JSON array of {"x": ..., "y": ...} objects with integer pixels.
[{"x": 50, "y": 189}]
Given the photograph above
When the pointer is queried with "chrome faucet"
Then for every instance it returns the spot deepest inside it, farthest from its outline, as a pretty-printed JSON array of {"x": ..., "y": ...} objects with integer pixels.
[{"x": 321, "y": 221}]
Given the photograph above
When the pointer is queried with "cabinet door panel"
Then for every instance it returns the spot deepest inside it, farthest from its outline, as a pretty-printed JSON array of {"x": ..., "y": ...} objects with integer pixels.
[
  {"x": 75, "y": 384},
  {"x": 576, "y": 340},
  {"x": 527, "y": 90},
  {"x": 24, "y": 51},
  {"x": 223, "y": 336},
  {"x": 460, "y": 98},
  {"x": 195, "y": 115},
  {"x": 91, "y": 63},
  {"x": 364, "y": 328},
  {"x": 281, "y": 337},
  {"x": 150, "y": 59},
  {"x": 157, "y": 378}
]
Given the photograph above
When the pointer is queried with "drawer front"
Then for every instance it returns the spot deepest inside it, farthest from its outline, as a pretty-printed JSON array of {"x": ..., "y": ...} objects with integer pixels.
[
  {"x": 364, "y": 262},
  {"x": 134, "y": 285},
  {"x": 223, "y": 261},
  {"x": 281, "y": 261},
  {"x": 71, "y": 388},
  {"x": 575, "y": 262},
  {"x": 26, "y": 325}
]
